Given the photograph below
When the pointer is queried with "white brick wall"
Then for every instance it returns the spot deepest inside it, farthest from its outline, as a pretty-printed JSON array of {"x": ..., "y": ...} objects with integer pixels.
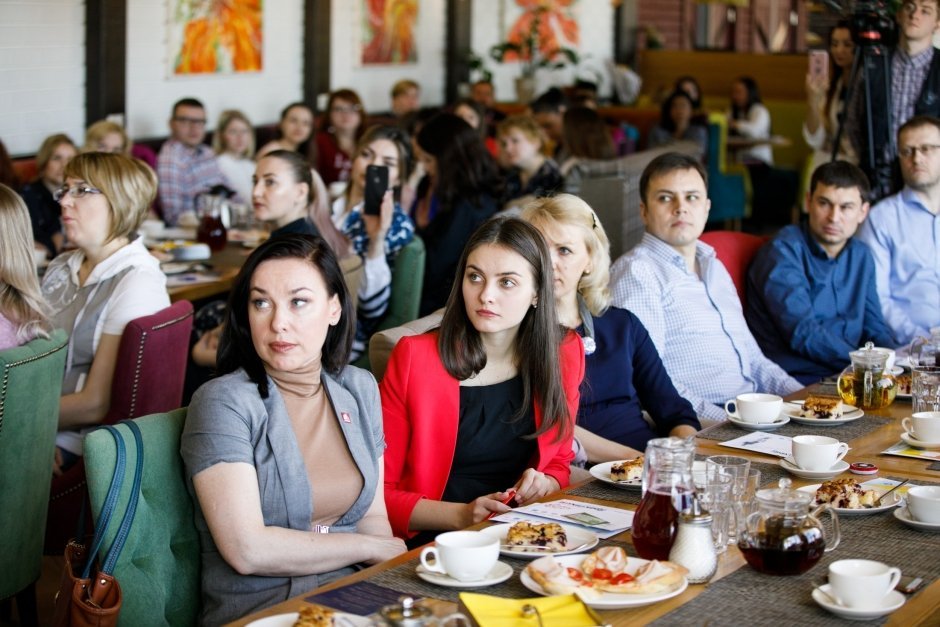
[{"x": 42, "y": 72}]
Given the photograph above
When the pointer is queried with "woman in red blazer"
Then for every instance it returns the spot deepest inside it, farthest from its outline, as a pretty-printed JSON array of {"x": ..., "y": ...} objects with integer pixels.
[{"x": 485, "y": 405}]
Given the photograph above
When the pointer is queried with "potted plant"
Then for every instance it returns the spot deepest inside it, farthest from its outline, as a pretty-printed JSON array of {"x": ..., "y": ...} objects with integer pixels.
[{"x": 533, "y": 43}]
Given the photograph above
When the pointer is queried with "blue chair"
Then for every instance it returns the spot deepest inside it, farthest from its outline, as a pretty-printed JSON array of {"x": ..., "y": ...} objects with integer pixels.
[{"x": 729, "y": 185}]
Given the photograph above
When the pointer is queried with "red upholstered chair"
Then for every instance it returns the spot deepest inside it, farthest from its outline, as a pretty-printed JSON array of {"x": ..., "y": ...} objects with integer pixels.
[
  {"x": 735, "y": 250},
  {"x": 148, "y": 379}
]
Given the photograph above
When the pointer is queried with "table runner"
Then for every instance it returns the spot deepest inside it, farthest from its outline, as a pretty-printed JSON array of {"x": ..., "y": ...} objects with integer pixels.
[{"x": 847, "y": 432}]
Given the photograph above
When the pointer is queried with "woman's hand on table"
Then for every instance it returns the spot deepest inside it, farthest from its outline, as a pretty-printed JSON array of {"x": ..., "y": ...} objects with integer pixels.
[
  {"x": 484, "y": 507},
  {"x": 534, "y": 485},
  {"x": 383, "y": 548}
]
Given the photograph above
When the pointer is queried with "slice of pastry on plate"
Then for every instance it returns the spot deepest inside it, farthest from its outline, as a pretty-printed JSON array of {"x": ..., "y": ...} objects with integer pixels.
[{"x": 629, "y": 470}]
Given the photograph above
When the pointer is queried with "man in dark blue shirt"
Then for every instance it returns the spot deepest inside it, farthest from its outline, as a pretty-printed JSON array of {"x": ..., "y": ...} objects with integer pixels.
[{"x": 811, "y": 295}]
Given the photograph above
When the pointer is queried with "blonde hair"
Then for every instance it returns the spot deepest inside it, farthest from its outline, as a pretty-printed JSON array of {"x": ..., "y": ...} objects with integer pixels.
[
  {"x": 48, "y": 146},
  {"x": 226, "y": 118},
  {"x": 566, "y": 209},
  {"x": 526, "y": 124},
  {"x": 21, "y": 300},
  {"x": 101, "y": 129},
  {"x": 128, "y": 184}
]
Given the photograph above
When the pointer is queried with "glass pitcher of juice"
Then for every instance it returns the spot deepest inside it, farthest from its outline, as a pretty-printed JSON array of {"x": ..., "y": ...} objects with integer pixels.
[{"x": 667, "y": 490}]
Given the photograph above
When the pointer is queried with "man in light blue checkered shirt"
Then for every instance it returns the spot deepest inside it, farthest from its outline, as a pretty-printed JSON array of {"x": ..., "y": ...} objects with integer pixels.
[{"x": 685, "y": 297}]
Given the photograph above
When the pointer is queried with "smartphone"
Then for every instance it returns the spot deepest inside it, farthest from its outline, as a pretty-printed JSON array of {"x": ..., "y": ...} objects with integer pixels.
[
  {"x": 376, "y": 185},
  {"x": 819, "y": 64}
]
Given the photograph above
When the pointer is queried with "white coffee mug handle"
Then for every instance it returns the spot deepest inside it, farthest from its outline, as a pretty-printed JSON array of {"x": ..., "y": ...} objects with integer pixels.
[
  {"x": 895, "y": 578},
  {"x": 843, "y": 450},
  {"x": 437, "y": 566},
  {"x": 732, "y": 413},
  {"x": 908, "y": 426}
]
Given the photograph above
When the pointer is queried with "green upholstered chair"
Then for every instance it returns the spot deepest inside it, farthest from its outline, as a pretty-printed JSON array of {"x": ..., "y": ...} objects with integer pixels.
[
  {"x": 407, "y": 283},
  {"x": 30, "y": 386},
  {"x": 159, "y": 567}
]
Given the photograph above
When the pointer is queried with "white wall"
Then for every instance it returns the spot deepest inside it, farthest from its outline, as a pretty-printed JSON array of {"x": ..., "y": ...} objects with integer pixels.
[
  {"x": 42, "y": 72},
  {"x": 374, "y": 82},
  {"x": 151, "y": 91},
  {"x": 492, "y": 20}
]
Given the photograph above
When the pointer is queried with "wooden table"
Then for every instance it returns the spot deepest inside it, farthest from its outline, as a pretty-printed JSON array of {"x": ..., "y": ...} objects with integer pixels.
[
  {"x": 736, "y": 142},
  {"x": 226, "y": 263},
  {"x": 922, "y": 609}
]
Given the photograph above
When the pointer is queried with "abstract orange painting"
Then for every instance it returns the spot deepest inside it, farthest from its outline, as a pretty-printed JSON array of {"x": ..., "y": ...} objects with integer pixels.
[
  {"x": 548, "y": 25},
  {"x": 388, "y": 31},
  {"x": 215, "y": 36}
]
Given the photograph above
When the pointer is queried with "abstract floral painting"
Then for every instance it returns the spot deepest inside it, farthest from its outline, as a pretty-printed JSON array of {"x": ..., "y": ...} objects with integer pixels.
[
  {"x": 215, "y": 36},
  {"x": 388, "y": 31},
  {"x": 549, "y": 22}
]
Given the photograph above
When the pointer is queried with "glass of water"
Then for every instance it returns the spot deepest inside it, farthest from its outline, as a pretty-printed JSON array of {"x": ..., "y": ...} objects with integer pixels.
[{"x": 925, "y": 388}]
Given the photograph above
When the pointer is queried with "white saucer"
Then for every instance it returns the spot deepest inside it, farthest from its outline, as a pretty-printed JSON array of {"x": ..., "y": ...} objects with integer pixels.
[
  {"x": 602, "y": 471},
  {"x": 500, "y": 573},
  {"x": 904, "y": 516},
  {"x": 288, "y": 620},
  {"x": 891, "y": 602},
  {"x": 790, "y": 466},
  {"x": 895, "y": 370},
  {"x": 759, "y": 426},
  {"x": 578, "y": 539},
  {"x": 912, "y": 441},
  {"x": 849, "y": 413},
  {"x": 892, "y": 501}
]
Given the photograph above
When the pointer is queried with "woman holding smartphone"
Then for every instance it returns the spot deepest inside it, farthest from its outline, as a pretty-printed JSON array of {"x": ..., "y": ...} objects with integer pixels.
[
  {"x": 826, "y": 86},
  {"x": 369, "y": 215}
]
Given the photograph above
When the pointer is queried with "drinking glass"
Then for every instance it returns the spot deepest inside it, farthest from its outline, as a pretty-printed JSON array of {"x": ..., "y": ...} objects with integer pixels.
[
  {"x": 737, "y": 468},
  {"x": 749, "y": 499},
  {"x": 925, "y": 388},
  {"x": 715, "y": 496}
]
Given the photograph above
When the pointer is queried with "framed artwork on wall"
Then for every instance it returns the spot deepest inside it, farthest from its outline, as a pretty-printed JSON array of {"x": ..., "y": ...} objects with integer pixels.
[
  {"x": 388, "y": 32},
  {"x": 215, "y": 37}
]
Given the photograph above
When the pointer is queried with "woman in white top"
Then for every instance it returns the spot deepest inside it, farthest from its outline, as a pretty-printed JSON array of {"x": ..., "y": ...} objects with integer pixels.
[
  {"x": 825, "y": 100},
  {"x": 749, "y": 118},
  {"x": 95, "y": 290},
  {"x": 234, "y": 143}
]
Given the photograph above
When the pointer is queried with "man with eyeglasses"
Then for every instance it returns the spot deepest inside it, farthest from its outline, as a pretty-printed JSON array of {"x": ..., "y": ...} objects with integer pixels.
[
  {"x": 811, "y": 296},
  {"x": 903, "y": 233},
  {"x": 185, "y": 166}
]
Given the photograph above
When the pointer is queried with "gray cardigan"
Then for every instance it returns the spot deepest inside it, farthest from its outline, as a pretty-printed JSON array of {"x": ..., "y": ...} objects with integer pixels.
[{"x": 228, "y": 421}]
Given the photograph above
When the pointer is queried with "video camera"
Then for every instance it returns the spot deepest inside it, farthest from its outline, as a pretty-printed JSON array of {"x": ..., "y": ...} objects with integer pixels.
[{"x": 872, "y": 24}]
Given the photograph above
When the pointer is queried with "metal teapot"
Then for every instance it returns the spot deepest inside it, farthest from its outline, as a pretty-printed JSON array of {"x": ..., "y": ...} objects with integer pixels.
[{"x": 408, "y": 614}]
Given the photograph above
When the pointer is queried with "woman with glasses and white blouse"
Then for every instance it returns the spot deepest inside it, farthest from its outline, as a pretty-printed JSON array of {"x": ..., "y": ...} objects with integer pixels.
[{"x": 96, "y": 289}]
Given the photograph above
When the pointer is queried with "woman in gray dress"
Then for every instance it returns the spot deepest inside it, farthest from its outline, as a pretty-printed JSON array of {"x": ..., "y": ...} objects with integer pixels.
[{"x": 284, "y": 449}]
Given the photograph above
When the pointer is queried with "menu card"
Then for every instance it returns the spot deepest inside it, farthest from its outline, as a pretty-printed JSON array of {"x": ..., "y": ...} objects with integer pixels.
[
  {"x": 903, "y": 450},
  {"x": 599, "y": 519},
  {"x": 361, "y": 598},
  {"x": 767, "y": 443}
]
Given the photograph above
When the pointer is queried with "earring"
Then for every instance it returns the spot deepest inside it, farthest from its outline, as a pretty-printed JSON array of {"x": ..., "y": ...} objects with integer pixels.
[{"x": 535, "y": 305}]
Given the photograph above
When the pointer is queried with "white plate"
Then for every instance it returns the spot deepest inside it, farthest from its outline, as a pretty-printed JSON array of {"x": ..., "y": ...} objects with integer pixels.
[
  {"x": 892, "y": 501},
  {"x": 891, "y": 602},
  {"x": 790, "y": 466},
  {"x": 608, "y": 600},
  {"x": 580, "y": 539},
  {"x": 849, "y": 413},
  {"x": 912, "y": 441},
  {"x": 288, "y": 620},
  {"x": 500, "y": 573},
  {"x": 904, "y": 515},
  {"x": 602, "y": 471},
  {"x": 759, "y": 426}
]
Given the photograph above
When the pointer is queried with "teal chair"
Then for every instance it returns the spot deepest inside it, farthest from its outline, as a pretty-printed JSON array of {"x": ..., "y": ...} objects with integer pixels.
[
  {"x": 729, "y": 184},
  {"x": 407, "y": 283},
  {"x": 159, "y": 567},
  {"x": 30, "y": 386}
]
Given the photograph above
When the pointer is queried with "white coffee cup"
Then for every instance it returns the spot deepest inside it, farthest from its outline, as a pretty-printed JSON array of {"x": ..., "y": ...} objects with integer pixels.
[
  {"x": 862, "y": 583},
  {"x": 463, "y": 555},
  {"x": 891, "y": 356},
  {"x": 923, "y": 426},
  {"x": 817, "y": 452},
  {"x": 923, "y": 503},
  {"x": 756, "y": 408}
]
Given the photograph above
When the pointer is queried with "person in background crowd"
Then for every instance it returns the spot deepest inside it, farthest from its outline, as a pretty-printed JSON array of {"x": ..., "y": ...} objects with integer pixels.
[
  {"x": 282, "y": 192},
  {"x": 675, "y": 124},
  {"x": 44, "y": 212},
  {"x": 185, "y": 166},
  {"x": 902, "y": 233},
  {"x": 23, "y": 314},
  {"x": 482, "y": 91},
  {"x": 105, "y": 136},
  {"x": 487, "y": 402},
  {"x": 457, "y": 194},
  {"x": 96, "y": 289},
  {"x": 585, "y": 136},
  {"x": 684, "y": 296},
  {"x": 284, "y": 450},
  {"x": 8, "y": 175},
  {"x": 375, "y": 238},
  {"x": 549, "y": 110},
  {"x": 340, "y": 130},
  {"x": 295, "y": 133},
  {"x": 405, "y": 97},
  {"x": 623, "y": 372},
  {"x": 690, "y": 85},
  {"x": 811, "y": 295},
  {"x": 234, "y": 145},
  {"x": 531, "y": 173},
  {"x": 474, "y": 114}
]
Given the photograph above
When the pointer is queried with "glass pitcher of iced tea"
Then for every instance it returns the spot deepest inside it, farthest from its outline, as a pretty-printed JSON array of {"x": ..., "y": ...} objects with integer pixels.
[
  {"x": 865, "y": 383},
  {"x": 783, "y": 537},
  {"x": 667, "y": 490}
]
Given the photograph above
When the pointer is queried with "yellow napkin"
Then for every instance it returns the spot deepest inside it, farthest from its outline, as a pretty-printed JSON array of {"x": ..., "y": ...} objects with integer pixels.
[{"x": 557, "y": 611}]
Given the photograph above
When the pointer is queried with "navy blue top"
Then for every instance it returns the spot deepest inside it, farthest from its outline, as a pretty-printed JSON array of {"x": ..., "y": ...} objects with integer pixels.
[
  {"x": 808, "y": 311},
  {"x": 623, "y": 376},
  {"x": 302, "y": 226}
]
